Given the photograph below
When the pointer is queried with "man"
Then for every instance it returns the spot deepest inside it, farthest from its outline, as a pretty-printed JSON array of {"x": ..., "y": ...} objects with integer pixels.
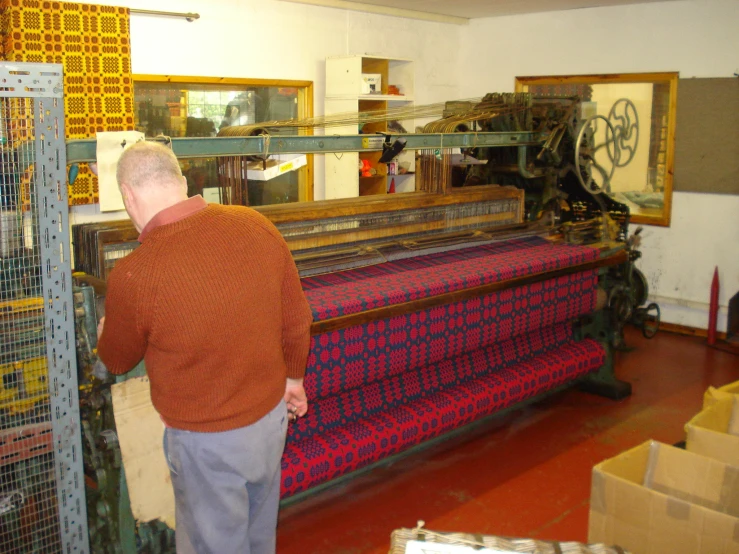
[{"x": 212, "y": 302}]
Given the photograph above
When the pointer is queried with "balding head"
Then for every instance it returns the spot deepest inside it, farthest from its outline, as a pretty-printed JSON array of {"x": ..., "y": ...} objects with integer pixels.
[
  {"x": 150, "y": 181},
  {"x": 149, "y": 165}
]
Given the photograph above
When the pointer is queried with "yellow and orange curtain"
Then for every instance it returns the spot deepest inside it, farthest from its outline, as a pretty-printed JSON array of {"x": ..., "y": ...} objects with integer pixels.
[{"x": 93, "y": 44}]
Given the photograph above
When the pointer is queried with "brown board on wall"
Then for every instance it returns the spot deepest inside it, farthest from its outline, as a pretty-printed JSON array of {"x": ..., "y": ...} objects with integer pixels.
[{"x": 707, "y": 136}]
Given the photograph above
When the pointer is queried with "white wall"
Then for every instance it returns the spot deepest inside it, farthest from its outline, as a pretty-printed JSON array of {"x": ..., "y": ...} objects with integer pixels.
[
  {"x": 273, "y": 39},
  {"x": 697, "y": 38},
  {"x": 270, "y": 39}
]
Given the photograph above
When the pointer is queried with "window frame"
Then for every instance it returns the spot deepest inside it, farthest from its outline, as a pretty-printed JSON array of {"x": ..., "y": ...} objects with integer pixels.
[
  {"x": 667, "y": 78},
  {"x": 306, "y": 184}
]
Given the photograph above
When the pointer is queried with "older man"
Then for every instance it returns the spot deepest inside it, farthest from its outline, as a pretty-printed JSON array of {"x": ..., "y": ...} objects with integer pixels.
[{"x": 212, "y": 302}]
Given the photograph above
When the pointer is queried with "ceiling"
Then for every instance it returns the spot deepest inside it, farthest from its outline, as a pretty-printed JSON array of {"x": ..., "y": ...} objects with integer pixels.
[{"x": 461, "y": 11}]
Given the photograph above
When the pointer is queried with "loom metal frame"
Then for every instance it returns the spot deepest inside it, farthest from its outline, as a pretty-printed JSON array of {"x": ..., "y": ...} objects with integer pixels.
[{"x": 84, "y": 150}]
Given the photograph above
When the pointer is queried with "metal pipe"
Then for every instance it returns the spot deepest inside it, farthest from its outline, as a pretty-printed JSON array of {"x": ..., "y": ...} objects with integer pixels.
[
  {"x": 524, "y": 172},
  {"x": 84, "y": 150},
  {"x": 189, "y": 16}
]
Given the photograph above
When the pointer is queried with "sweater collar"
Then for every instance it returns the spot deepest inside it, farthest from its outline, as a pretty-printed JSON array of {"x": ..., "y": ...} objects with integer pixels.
[{"x": 179, "y": 211}]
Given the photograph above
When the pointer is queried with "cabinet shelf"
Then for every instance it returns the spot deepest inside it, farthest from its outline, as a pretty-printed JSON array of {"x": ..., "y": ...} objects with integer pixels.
[{"x": 344, "y": 81}]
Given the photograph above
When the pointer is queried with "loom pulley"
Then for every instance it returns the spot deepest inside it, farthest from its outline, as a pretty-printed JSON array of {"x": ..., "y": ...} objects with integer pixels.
[
  {"x": 625, "y": 121},
  {"x": 586, "y": 150}
]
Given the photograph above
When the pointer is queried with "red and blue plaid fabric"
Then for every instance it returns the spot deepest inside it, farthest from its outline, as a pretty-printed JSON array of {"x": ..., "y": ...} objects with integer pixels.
[
  {"x": 326, "y": 456},
  {"x": 398, "y": 388},
  {"x": 361, "y": 354},
  {"x": 362, "y": 289},
  {"x": 379, "y": 388}
]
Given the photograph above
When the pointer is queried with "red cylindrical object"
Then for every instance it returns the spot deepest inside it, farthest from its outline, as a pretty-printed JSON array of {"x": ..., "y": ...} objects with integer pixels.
[{"x": 713, "y": 309}]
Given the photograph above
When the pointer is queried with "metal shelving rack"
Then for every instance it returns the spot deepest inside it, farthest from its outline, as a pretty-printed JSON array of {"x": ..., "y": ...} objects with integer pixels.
[{"x": 42, "y": 483}]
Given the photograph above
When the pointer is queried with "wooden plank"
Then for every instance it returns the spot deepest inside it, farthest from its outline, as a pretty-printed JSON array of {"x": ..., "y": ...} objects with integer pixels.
[
  {"x": 372, "y": 185},
  {"x": 374, "y": 128},
  {"x": 687, "y": 330},
  {"x": 323, "y": 209},
  {"x": 596, "y": 79},
  {"x": 670, "y": 158},
  {"x": 306, "y": 184},
  {"x": 372, "y": 105},
  {"x": 184, "y": 79},
  {"x": 98, "y": 235},
  {"x": 336, "y": 238}
]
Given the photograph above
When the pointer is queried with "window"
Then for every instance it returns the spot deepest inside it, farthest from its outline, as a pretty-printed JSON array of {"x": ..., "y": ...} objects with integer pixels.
[
  {"x": 200, "y": 107},
  {"x": 639, "y": 111}
]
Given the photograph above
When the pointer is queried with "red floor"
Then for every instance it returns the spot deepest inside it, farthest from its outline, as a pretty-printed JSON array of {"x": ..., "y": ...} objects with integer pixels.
[{"x": 524, "y": 475}]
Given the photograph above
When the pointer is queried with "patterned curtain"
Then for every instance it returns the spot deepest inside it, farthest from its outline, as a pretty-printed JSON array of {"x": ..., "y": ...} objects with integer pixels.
[{"x": 93, "y": 44}]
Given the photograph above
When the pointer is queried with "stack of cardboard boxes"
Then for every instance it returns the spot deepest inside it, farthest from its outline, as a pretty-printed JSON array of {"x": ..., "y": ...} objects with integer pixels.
[{"x": 660, "y": 499}]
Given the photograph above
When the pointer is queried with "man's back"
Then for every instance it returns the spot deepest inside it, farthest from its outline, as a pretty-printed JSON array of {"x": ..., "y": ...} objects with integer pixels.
[
  {"x": 216, "y": 301},
  {"x": 212, "y": 302}
]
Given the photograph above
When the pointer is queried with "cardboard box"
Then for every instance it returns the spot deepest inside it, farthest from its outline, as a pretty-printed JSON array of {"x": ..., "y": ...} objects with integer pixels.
[
  {"x": 277, "y": 165},
  {"x": 140, "y": 432},
  {"x": 714, "y": 432},
  {"x": 658, "y": 499},
  {"x": 712, "y": 395}
]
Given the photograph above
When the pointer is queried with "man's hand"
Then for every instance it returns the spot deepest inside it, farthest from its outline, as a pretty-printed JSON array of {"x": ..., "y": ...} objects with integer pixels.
[
  {"x": 297, "y": 402},
  {"x": 101, "y": 323}
]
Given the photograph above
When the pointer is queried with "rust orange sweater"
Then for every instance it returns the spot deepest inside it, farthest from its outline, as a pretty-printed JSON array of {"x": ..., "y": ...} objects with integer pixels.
[{"x": 213, "y": 305}]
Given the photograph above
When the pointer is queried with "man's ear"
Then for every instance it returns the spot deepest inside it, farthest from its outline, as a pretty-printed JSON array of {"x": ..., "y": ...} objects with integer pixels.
[
  {"x": 126, "y": 194},
  {"x": 130, "y": 202}
]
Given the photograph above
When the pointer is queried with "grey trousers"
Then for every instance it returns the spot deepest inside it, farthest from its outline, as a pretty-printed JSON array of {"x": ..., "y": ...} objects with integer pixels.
[{"x": 227, "y": 486}]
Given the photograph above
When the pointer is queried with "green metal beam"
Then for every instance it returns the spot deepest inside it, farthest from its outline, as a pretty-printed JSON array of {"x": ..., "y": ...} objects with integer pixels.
[{"x": 84, "y": 150}]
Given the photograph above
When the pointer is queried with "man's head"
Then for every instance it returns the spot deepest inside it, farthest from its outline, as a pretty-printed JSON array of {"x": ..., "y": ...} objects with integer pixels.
[{"x": 150, "y": 180}]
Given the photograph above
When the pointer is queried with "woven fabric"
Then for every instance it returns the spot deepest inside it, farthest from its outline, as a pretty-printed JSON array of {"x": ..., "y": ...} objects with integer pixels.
[
  {"x": 92, "y": 43},
  {"x": 363, "y": 289},
  {"x": 323, "y": 457},
  {"x": 348, "y": 406},
  {"x": 359, "y": 355}
]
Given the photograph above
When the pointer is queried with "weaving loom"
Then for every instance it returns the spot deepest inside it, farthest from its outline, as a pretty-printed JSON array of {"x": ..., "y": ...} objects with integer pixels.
[
  {"x": 416, "y": 336},
  {"x": 380, "y": 387},
  {"x": 450, "y": 323},
  {"x": 438, "y": 308},
  {"x": 434, "y": 336}
]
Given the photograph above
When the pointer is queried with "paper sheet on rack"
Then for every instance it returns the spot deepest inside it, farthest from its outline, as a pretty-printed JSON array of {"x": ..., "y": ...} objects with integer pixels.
[
  {"x": 140, "y": 433},
  {"x": 110, "y": 146}
]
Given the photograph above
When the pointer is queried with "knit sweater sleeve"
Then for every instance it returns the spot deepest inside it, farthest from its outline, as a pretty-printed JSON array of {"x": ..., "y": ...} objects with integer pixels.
[
  {"x": 296, "y": 320},
  {"x": 122, "y": 344}
]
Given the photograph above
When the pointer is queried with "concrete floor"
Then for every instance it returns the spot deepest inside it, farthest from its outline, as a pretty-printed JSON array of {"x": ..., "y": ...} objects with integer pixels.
[{"x": 526, "y": 474}]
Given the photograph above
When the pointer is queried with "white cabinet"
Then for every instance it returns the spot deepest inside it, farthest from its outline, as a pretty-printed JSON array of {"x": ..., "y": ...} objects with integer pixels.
[{"x": 348, "y": 79}]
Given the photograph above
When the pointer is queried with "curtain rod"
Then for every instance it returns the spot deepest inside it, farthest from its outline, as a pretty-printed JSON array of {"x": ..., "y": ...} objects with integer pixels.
[{"x": 189, "y": 16}]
